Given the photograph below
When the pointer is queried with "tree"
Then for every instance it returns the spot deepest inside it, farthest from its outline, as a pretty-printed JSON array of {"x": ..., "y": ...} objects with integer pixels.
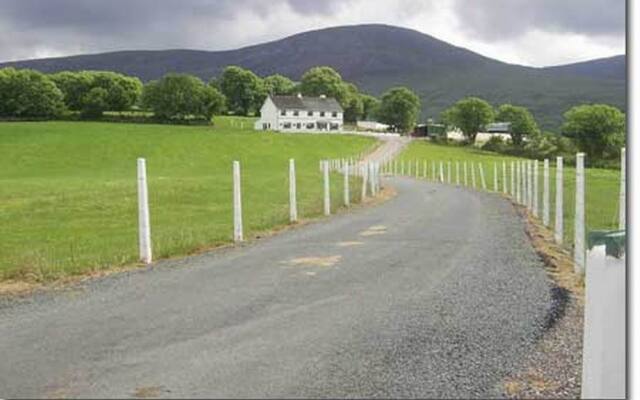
[
  {"x": 122, "y": 91},
  {"x": 597, "y": 128},
  {"x": 181, "y": 96},
  {"x": 521, "y": 120},
  {"x": 470, "y": 115},
  {"x": 324, "y": 81},
  {"x": 400, "y": 107},
  {"x": 352, "y": 103},
  {"x": 243, "y": 89},
  {"x": 94, "y": 103},
  {"x": 278, "y": 85},
  {"x": 26, "y": 93},
  {"x": 370, "y": 106}
]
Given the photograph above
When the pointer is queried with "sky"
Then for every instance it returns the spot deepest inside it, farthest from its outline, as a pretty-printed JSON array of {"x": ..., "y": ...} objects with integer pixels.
[{"x": 527, "y": 32}]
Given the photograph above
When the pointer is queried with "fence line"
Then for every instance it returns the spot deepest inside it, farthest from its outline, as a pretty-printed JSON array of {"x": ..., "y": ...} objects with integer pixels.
[
  {"x": 559, "y": 228},
  {"x": 293, "y": 203},
  {"x": 545, "y": 194},
  {"x": 579, "y": 233}
]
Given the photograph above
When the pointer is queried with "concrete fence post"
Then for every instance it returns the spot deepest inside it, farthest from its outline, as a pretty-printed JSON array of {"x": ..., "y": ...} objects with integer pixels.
[
  {"x": 525, "y": 199},
  {"x": 424, "y": 169},
  {"x": 144, "y": 226},
  {"x": 482, "y": 180},
  {"x": 535, "y": 188},
  {"x": 513, "y": 179},
  {"x": 372, "y": 180},
  {"x": 458, "y": 173},
  {"x": 402, "y": 169},
  {"x": 409, "y": 168},
  {"x": 433, "y": 171},
  {"x": 449, "y": 172},
  {"x": 466, "y": 180},
  {"x": 417, "y": 170},
  {"x": 605, "y": 319},
  {"x": 518, "y": 178},
  {"x": 579, "y": 231},
  {"x": 622, "y": 203},
  {"x": 347, "y": 193},
  {"x": 237, "y": 204},
  {"x": 473, "y": 174},
  {"x": 363, "y": 174},
  {"x": 559, "y": 225},
  {"x": 545, "y": 193},
  {"x": 327, "y": 189},
  {"x": 530, "y": 185},
  {"x": 441, "y": 172},
  {"x": 505, "y": 188},
  {"x": 495, "y": 176},
  {"x": 293, "y": 204}
]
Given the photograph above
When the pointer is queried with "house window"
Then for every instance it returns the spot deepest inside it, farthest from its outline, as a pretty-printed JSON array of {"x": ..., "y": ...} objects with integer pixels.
[
  {"x": 298, "y": 125},
  {"x": 295, "y": 113},
  {"x": 334, "y": 126},
  {"x": 322, "y": 113},
  {"x": 287, "y": 125},
  {"x": 310, "y": 113},
  {"x": 334, "y": 114},
  {"x": 283, "y": 112},
  {"x": 310, "y": 125},
  {"x": 322, "y": 126}
]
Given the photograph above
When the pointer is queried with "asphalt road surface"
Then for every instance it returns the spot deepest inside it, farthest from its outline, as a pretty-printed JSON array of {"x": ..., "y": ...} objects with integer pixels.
[{"x": 435, "y": 293}]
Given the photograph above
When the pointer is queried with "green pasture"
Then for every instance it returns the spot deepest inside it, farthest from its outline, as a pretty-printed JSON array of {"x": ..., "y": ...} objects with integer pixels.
[{"x": 68, "y": 201}]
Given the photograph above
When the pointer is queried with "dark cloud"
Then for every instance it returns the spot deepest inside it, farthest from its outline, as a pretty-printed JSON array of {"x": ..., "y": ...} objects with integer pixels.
[
  {"x": 506, "y": 19},
  {"x": 37, "y": 28}
]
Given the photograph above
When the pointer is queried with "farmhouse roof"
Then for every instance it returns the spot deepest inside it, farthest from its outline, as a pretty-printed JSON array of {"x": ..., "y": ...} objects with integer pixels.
[{"x": 328, "y": 104}]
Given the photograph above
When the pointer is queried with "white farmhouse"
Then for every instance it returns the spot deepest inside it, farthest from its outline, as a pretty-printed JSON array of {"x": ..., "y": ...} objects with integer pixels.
[{"x": 300, "y": 114}]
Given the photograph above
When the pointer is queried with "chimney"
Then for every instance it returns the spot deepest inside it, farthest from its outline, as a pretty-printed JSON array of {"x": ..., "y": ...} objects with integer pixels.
[{"x": 323, "y": 96}]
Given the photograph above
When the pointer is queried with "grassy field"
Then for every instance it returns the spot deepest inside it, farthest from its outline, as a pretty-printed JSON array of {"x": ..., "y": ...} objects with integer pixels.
[
  {"x": 602, "y": 186},
  {"x": 68, "y": 200}
]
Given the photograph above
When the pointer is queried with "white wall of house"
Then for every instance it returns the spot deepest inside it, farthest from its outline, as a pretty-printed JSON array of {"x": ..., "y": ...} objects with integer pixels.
[{"x": 272, "y": 118}]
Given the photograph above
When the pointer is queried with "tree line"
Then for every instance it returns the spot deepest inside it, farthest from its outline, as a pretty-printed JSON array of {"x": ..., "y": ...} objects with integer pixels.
[
  {"x": 31, "y": 94},
  {"x": 596, "y": 129}
]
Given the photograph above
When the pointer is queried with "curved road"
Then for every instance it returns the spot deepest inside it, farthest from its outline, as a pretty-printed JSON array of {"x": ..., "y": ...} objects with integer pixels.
[{"x": 435, "y": 293}]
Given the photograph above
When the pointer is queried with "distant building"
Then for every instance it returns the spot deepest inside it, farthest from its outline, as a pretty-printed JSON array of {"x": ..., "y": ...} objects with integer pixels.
[
  {"x": 499, "y": 127},
  {"x": 300, "y": 114},
  {"x": 372, "y": 126}
]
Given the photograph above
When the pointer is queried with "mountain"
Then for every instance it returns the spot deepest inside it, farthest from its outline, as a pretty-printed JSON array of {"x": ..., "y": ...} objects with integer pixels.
[
  {"x": 377, "y": 57},
  {"x": 603, "y": 68}
]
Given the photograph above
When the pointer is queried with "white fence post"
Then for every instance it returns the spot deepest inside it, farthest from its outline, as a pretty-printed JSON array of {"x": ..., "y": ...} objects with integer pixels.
[
  {"x": 449, "y": 172},
  {"x": 473, "y": 174},
  {"x": 495, "y": 176},
  {"x": 144, "y": 226},
  {"x": 466, "y": 180},
  {"x": 622, "y": 203},
  {"x": 535, "y": 188},
  {"x": 518, "y": 186},
  {"x": 513, "y": 179},
  {"x": 579, "y": 249},
  {"x": 433, "y": 171},
  {"x": 237, "y": 204},
  {"x": 545, "y": 193},
  {"x": 482, "y": 181},
  {"x": 559, "y": 226},
  {"x": 604, "y": 341},
  {"x": 424, "y": 169},
  {"x": 417, "y": 173},
  {"x": 409, "y": 168},
  {"x": 458, "y": 173},
  {"x": 347, "y": 194},
  {"x": 505, "y": 189},
  {"x": 523, "y": 171},
  {"x": 441, "y": 172},
  {"x": 293, "y": 203},
  {"x": 364, "y": 174},
  {"x": 529, "y": 186},
  {"x": 327, "y": 189},
  {"x": 372, "y": 178}
]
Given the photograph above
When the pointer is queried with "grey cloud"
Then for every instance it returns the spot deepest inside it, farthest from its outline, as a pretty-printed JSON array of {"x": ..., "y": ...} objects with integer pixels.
[{"x": 508, "y": 19}]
